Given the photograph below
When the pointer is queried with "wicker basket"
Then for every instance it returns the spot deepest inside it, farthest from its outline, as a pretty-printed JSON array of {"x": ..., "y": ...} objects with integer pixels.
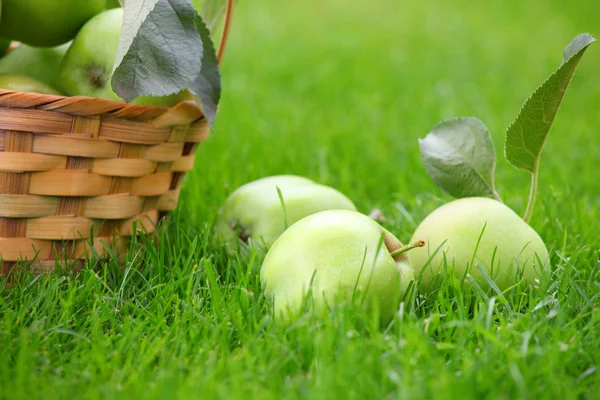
[
  {"x": 80, "y": 175},
  {"x": 78, "y": 172}
]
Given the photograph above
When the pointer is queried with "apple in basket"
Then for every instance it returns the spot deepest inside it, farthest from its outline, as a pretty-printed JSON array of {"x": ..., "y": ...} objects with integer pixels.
[
  {"x": 46, "y": 23},
  {"x": 21, "y": 83},
  {"x": 41, "y": 63},
  {"x": 113, "y": 4},
  {"x": 4, "y": 44}
]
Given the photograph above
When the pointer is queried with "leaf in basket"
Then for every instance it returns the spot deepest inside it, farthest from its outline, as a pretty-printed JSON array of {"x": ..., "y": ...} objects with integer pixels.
[
  {"x": 526, "y": 136},
  {"x": 208, "y": 83},
  {"x": 459, "y": 156},
  {"x": 160, "y": 52}
]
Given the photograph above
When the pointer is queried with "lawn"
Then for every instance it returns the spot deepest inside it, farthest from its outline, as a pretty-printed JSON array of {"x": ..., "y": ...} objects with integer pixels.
[{"x": 340, "y": 92}]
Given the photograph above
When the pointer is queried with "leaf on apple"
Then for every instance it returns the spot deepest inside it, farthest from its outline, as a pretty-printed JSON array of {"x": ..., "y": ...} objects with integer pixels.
[
  {"x": 526, "y": 136},
  {"x": 459, "y": 156},
  {"x": 165, "y": 48}
]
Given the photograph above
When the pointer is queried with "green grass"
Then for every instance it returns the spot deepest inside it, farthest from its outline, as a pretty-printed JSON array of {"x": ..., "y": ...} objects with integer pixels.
[{"x": 339, "y": 92}]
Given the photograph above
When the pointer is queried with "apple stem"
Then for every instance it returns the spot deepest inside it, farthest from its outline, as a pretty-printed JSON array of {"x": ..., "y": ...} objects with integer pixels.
[
  {"x": 404, "y": 249},
  {"x": 494, "y": 191},
  {"x": 532, "y": 193}
]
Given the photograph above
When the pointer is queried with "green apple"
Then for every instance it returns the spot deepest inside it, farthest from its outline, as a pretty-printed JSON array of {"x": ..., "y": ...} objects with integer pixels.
[
  {"x": 113, "y": 4},
  {"x": 253, "y": 213},
  {"x": 329, "y": 255},
  {"x": 4, "y": 45},
  {"x": 478, "y": 231},
  {"x": 86, "y": 69},
  {"x": 46, "y": 23},
  {"x": 20, "y": 83},
  {"x": 41, "y": 63}
]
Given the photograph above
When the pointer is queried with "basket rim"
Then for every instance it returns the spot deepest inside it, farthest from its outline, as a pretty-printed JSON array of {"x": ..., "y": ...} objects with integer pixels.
[
  {"x": 118, "y": 104},
  {"x": 10, "y": 99}
]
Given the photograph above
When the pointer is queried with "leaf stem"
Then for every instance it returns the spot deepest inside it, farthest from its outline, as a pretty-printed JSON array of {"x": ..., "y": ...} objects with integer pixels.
[
  {"x": 497, "y": 196},
  {"x": 532, "y": 193}
]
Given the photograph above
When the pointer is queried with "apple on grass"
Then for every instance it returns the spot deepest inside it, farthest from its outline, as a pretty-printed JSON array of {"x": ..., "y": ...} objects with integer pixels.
[
  {"x": 253, "y": 214},
  {"x": 86, "y": 69},
  {"x": 482, "y": 237},
  {"x": 46, "y": 23},
  {"x": 333, "y": 257}
]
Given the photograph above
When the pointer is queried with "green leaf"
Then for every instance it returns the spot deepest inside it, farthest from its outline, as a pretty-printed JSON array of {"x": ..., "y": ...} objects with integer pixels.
[
  {"x": 526, "y": 136},
  {"x": 207, "y": 85},
  {"x": 160, "y": 52},
  {"x": 459, "y": 156}
]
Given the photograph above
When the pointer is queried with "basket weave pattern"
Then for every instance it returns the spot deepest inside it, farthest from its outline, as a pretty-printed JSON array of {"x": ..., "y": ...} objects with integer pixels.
[{"x": 77, "y": 172}]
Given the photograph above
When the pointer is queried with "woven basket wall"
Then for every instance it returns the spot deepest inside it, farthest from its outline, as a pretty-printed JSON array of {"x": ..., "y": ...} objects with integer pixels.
[{"x": 77, "y": 172}]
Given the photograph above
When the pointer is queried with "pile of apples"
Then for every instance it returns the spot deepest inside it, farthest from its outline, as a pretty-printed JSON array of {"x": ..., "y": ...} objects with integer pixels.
[
  {"x": 64, "y": 47},
  {"x": 320, "y": 249}
]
